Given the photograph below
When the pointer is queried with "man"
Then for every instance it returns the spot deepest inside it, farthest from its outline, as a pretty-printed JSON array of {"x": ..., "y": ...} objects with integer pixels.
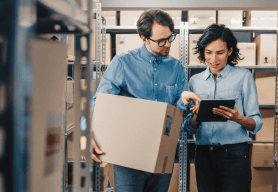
[{"x": 148, "y": 72}]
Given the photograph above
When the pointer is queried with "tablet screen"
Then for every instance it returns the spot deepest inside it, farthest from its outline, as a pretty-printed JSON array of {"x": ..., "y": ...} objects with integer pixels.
[{"x": 205, "y": 111}]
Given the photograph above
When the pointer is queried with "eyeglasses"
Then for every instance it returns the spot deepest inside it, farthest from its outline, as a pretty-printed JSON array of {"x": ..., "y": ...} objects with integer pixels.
[{"x": 162, "y": 42}]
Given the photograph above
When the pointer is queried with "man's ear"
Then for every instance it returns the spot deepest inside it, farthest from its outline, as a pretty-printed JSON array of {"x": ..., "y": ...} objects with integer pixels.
[{"x": 144, "y": 39}]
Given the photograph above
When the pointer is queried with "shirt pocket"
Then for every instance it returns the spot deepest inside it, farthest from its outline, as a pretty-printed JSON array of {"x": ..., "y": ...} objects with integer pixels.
[
  {"x": 171, "y": 93},
  {"x": 231, "y": 94}
]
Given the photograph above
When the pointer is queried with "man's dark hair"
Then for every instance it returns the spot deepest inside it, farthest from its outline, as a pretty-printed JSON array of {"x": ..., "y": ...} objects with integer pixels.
[
  {"x": 213, "y": 33},
  {"x": 148, "y": 17}
]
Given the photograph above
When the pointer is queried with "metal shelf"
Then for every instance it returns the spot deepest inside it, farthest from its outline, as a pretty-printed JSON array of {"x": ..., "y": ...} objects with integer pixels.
[
  {"x": 250, "y": 142},
  {"x": 267, "y": 106},
  {"x": 121, "y": 29},
  {"x": 68, "y": 15}
]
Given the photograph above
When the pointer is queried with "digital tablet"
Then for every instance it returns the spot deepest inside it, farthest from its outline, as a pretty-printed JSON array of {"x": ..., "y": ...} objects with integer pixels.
[{"x": 205, "y": 110}]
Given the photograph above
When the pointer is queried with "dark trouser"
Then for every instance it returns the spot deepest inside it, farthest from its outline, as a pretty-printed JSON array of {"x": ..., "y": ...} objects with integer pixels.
[
  {"x": 131, "y": 180},
  {"x": 223, "y": 168}
]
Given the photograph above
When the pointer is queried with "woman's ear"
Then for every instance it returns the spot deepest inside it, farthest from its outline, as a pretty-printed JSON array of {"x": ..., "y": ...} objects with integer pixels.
[{"x": 230, "y": 51}]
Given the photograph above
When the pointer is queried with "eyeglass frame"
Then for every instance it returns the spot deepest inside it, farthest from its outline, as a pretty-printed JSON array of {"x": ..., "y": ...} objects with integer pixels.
[{"x": 165, "y": 40}]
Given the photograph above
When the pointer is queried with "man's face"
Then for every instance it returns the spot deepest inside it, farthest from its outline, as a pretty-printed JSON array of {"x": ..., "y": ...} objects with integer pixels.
[{"x": 159, "y": 32}]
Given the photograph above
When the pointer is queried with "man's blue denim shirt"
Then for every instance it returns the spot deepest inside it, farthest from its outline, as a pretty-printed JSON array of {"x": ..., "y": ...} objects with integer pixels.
[
  {"x": 231, "y": 83},
  {"x": 138, "y": 73}
]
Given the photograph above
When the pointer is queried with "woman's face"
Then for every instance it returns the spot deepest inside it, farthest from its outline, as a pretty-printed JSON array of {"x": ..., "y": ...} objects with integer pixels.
[{"x": 216, "y": 56}]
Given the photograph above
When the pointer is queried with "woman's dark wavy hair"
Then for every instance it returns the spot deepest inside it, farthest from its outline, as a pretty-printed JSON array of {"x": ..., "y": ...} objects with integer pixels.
[
  {"x": 148, "y": 17},
  {"x": 215, "y": 32}
]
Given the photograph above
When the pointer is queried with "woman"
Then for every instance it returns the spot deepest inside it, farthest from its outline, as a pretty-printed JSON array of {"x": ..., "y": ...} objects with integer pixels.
[{"x": 221, "y": 159}]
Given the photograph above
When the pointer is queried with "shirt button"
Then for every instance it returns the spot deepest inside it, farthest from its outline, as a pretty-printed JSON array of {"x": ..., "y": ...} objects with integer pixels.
[
  {"x": 150, "y": 61},
  {"x": 155, "y": 84},
  {"x": 155, "y": 69},
  {"x": 211, "y": 148}
]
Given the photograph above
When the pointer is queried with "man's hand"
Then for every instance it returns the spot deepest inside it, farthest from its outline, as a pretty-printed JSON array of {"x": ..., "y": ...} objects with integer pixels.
[
  {"x": 187, "y": 96},
  {"x": 97, "y": 151}
]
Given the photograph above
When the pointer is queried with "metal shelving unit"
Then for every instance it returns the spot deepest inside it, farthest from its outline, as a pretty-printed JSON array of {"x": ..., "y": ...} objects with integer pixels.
[{"x": 22, "y": 20}]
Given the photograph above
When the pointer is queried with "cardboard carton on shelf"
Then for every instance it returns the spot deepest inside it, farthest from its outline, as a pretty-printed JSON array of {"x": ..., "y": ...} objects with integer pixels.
[
  {"x": 111, "y": 18},
  {"x": 261, "y": 18},
  {"x": 174, "y": 183},
  {"x": 262, "y": 155},
  {"x": 126, "y": 42},
  {"x": 265, "y": 82},
  {"x": 230, "y": 18},
  {"x": 70, "y": 41},
  {"x": 193, "y": 58},
  {"x": 262, "y": 167},
  {"x": 262, "y": 179},
  {"x": 248, "y": 53},
  {"x": 48, "y": 107},
  {"x": 201, "y": 18},
  {"x": 129, "y": 18},
  {"x": 192, "y": 179},
  {"x": 267, "y": 131},
  {"x": 266, "y": 46},
  {"x": 144, "y": 132}
]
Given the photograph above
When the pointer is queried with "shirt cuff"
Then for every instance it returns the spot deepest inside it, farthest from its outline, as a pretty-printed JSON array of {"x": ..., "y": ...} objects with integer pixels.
[
  {"x": 186, "y": 125},
  {"x": 259, "y": 124}
]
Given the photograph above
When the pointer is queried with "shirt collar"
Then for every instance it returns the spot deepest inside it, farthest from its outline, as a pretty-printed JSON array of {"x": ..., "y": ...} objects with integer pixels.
[
  {"x": 148, "y": 56},
  {"x": 223, "y": 73}
]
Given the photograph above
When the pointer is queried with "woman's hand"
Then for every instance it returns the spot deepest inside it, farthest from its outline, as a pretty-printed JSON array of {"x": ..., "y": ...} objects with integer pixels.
[
  {"x": 234, "y": 115},
  {"x": 227, "y": 113}
]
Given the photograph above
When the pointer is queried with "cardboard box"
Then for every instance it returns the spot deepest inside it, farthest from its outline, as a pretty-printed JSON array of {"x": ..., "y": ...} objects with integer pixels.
[
  {"x": 130, "y": 18},
  {"x": 49, "y": 62},
  {"x": 266, "y": 45},
  {"x": 261, "y": 18},
  {"x": 262, "y": 179},
  {"x": 70, "y": 41},
  {"x": 201, "y": 18},
  {"x": 230, "y": 18},
  {"x": 262, "y": 155},
  {"x": 267, "y": 131},
  {"x": 111, "y": 18},
  {"x": 128, "y": 42},
  {"x": 248, "y": 52},
  {"x": 176, "y": 16},
  {"x": 265, "y": 82},
  {"x": 192, "y": 179},
  {"x": 174, "y": 183},
  {"x": 145, "y": 132},
  {"x": 193, "y": 59}
]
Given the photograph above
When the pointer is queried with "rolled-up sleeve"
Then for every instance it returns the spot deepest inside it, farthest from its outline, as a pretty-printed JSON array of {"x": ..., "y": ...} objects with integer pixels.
[
  {"x": 112, "y": 79},
  {"x": 250, "y": 101},
  {"x": 181, "y": 87}
]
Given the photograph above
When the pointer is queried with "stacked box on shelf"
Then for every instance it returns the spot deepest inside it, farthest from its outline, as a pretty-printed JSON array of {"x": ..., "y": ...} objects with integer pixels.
[
  {"x": 230, "y": 18},
  {"x": 248, "y": 53},
  {"x": 261, "y": 18},
  {"x": 48, "y": 107},
  {"x": 266, "y": 46},
  {"x": 267, "y": 131},
  {"x": 111, "y": 18},
  {"x": 192, "y": 179},
  {"x": 70, "y": 41},
  {"x": 265, "y": 82},
  {"x": 129, "y": 18},
  {"x": 174, "y": 183},
  {"x": 201, "y": 18},
  {"x": 126, "y": 42},
  {"x": 193, "y": 58},
  {"x": 108, "y": 48},
  {"x": 262, "y": 167}
]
